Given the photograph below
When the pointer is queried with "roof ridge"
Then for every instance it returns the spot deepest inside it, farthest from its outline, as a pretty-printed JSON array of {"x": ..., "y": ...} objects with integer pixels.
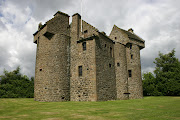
[
  {"x": 129, "y": 33},
  {"x": 91, "y": 25}
]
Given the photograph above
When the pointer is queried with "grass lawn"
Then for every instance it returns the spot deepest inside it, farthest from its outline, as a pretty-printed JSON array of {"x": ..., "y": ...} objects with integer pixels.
[{"x": 149, "y": 108}]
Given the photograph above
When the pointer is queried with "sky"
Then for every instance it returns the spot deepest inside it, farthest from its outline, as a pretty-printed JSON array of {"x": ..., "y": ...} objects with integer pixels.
[{"x": 155, "y": 21}]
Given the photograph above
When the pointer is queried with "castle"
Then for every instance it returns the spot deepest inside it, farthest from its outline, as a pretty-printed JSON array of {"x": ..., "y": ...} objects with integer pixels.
[{"x": 77, "y": 62}]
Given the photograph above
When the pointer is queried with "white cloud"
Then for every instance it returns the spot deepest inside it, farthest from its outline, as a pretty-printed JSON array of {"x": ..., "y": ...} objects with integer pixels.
[{"x": 156, "y": 21}]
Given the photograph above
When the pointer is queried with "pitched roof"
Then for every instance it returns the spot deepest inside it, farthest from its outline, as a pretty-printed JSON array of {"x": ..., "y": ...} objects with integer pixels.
[{"x": 131, "y": 35}]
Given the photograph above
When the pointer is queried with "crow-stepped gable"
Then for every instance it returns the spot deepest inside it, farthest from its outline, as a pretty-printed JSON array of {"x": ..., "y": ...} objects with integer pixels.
[{"x": 75, "y": 63}]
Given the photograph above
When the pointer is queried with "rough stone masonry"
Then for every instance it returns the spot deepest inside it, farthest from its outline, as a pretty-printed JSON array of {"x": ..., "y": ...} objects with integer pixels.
[{"x": 75, "y": 63}]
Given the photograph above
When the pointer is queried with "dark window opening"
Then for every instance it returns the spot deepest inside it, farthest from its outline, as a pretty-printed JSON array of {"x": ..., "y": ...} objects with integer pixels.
[
  {"x": 130, "y": 46},
  {"x": 105, "y": 45},
  {"x": 79, "y": 96},
  {"x": 109, "y": 65},
  {"x": 63, "y": 97},
  {"x": 131, "y": 56},
  {"x": 130, "y": 73},
  {"x": 115, "y": 38},
  {"x": 118, "y": 64},
  {"x": 38, "y": 42},
  {"x": 111, "y": 52},
  {"x": 84, "y": 46},
  {"x": 40, "y": 69},
  {"x": 85, "y": 31},
  {"x": 80, "y": 70},
  {"x": 49, "y": 35}
]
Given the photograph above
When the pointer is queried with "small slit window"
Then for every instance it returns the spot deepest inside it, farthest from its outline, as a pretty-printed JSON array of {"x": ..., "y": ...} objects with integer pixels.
[
  {"x": 110, "y": 65},
  {"x": 130, "y": 73},
  {"x": 131, "y": 56},
  {"x": 111, "y": 52},
  {"x": 105, "y": 45},
  {"x": 130, "y": 46},
  {"x": 118, "y": 64},
  {"x": 86, "y": 31},
  {"x": 84, "y": 46},
  {"x": 80, "y": 70}
]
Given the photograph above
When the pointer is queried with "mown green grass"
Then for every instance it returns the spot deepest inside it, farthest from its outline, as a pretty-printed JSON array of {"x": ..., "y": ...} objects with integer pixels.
[{"x": 149, "y": 108}]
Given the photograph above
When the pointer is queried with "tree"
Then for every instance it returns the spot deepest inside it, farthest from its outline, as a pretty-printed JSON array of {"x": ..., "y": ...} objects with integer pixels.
[
  {"x": 166, "y": 78},
  {"x": 14, "y": 84}
]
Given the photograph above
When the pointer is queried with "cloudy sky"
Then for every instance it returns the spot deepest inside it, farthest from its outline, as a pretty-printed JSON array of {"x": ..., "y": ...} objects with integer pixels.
[{"x": 156, "y": 21}]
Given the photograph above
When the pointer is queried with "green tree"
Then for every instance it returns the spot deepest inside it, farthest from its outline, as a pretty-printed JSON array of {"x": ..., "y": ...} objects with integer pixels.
[
  {"x": 166, "y": 78},
  {"x": 14, "y": 84}
]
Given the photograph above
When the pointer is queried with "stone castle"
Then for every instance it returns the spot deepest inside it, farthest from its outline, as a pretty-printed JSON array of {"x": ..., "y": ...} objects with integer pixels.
[{"x": 77, "y": 62}]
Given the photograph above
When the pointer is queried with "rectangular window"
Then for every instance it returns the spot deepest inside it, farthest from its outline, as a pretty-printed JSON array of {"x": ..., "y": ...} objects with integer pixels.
[
  {"x": 84, "y": 46},
  {"x": 130, "y": 46},
  {"x": 131, "y": 56},
  {"x": 80, "y": 70},
  {"x": 118, "y": 64},
  {"x": 130, "y": 73},
  {"x": 110, "y": 65},
  {"x": 111, "y": 52}
]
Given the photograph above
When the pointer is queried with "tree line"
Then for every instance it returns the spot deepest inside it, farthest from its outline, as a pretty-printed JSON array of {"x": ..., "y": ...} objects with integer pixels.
[
  {"x": 165, "y": 80},
  {"x": 15, "y": 85}
]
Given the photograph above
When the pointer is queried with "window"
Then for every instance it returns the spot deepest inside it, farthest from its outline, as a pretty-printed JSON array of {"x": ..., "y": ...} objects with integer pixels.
[
  {"x": 105, "y": 45},
  {"x": 131, "y": 56},
  {"x": 118, "y": 64},
  {"x": 110, "y": 65},
  {"x": 85, "y": 31},
  {"x": 115, "y": 38},
  {"x": 40, "y": 69},
  {"x": 84, "y": 46},
  {"x": 130, "y": 46},
  {"x": 111, "y": 52},
  {"x": 38, "y": 42},
  {"x": 80, "y": 70},
  {"x": 130, "y": 73}
]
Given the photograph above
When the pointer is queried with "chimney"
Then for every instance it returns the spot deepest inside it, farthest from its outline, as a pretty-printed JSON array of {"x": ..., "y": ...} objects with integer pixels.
[
  {"x": 76, "y": 25},
  {"x": 131, "y": 30}
]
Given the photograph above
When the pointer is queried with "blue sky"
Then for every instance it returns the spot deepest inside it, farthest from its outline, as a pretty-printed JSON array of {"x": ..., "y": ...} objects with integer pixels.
[{"x": 156, "y": 21}]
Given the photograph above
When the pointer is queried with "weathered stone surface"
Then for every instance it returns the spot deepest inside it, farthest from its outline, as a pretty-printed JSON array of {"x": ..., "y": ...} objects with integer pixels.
[{"x": 85, "y": 65}]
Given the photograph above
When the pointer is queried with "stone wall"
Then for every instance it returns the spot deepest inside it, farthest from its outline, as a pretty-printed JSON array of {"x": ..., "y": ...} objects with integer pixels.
[
  {"x": 83, "y": 88},
  {"x": 52, "y": 63},
  {"x": 105, "y": 69},
  {"x": 85, "y": 65},
  {"x": 133, "y": 64},
  {"x": 121, "y": 71}
]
